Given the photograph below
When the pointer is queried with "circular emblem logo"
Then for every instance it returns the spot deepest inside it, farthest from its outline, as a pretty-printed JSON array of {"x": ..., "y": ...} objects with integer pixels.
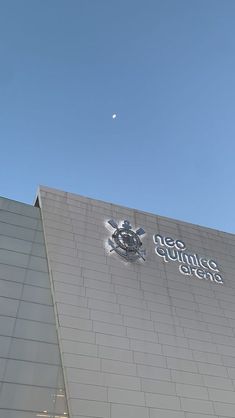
[{"x": 126, "y": 242}]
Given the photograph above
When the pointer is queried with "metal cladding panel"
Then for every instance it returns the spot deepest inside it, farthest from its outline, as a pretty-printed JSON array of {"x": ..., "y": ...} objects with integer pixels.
[
  {"x": 31, "y": 378},
  {"x": 146, "y": 326}
]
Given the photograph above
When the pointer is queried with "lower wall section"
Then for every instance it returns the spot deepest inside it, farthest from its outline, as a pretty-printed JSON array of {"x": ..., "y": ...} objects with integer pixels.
[{"x": 31, "y": 378}]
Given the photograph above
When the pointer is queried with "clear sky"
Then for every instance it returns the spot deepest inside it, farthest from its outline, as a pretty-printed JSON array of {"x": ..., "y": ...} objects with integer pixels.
[{"x": 165, "y": 67}]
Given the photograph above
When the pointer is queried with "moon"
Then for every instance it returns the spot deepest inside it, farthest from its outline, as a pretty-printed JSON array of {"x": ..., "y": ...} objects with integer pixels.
[{"x": 114, "y": 115}]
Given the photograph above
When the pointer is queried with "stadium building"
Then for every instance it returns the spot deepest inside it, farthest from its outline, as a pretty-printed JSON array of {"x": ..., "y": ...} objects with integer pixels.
[{"x": 110, "y": 312}]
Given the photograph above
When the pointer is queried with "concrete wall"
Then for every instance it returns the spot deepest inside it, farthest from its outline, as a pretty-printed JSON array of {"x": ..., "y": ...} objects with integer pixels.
[
  {"x": 31, "y": 380},
  {"x": 139, "y": 340}
]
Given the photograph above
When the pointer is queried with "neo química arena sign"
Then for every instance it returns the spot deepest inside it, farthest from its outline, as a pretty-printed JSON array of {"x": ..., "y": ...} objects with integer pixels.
[{"x": 189, "y": 264}]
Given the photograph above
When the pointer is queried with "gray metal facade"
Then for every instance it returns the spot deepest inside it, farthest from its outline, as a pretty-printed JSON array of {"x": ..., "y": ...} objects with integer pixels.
[
  {"x": 152, "y": 338},
  {"x": 31, "y": 378},
  {"x": 141, "y": 339}
]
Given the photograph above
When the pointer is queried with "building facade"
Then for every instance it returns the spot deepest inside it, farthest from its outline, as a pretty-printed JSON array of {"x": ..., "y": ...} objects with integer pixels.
[{"x": 110, "y": 312}]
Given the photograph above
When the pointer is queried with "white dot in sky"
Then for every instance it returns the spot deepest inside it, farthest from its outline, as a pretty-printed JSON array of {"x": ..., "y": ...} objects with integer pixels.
[{"x": 114, "y": 115}]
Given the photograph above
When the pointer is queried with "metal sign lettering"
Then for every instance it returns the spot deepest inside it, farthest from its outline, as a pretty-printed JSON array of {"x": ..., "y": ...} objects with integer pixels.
[{"x": 190, "y": 264}]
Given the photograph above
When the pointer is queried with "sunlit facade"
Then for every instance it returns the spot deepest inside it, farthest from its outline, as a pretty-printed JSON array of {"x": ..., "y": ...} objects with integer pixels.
[{"x": 110, "y": 312}]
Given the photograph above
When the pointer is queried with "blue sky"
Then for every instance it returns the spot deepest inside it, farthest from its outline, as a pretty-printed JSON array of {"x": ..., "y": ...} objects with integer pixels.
[{"x": 166, "y": 68}]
